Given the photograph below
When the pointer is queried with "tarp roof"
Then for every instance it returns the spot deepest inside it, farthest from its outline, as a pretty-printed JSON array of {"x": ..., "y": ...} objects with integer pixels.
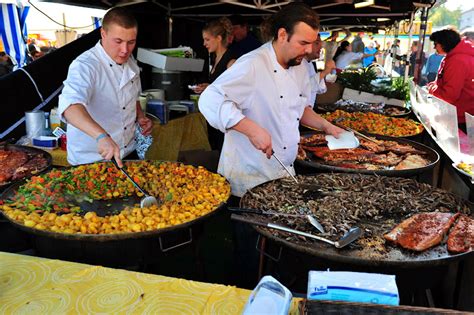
[{"x": 333, "y": 13}]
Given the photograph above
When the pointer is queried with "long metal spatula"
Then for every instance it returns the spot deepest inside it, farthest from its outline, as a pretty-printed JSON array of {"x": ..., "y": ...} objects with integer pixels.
[
  {"x": 147, "y": 200},
  {"x": 345, "y": 240},
  {"x": 311, "y": 219}
]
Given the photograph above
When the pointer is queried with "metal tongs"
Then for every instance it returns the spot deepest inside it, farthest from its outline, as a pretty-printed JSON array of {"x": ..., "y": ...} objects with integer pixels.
[
  {"x": 349, "y": 237},
  {"x": 311, "y": 218},
  {"x": 283, "y": 165}
]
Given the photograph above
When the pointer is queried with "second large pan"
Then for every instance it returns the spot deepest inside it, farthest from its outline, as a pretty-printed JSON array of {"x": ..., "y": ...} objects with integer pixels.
[{"x": 366, "y": 192}]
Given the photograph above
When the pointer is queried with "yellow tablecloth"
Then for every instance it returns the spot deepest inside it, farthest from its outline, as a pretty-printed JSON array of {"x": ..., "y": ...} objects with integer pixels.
[
  {"x": 33, "y": 285},
  {"x": 181, "y": 134}
]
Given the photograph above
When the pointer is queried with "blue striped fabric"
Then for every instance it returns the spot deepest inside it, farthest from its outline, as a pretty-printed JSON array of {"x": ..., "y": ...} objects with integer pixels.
[{"x": 13, "y": 32}]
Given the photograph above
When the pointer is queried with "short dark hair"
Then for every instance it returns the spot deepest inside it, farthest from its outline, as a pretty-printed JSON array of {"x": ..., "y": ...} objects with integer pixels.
[
  {"x": 291, "y": 15},
  {"x": 120, "y": 16},
  {"x": 447, "y": 38}
]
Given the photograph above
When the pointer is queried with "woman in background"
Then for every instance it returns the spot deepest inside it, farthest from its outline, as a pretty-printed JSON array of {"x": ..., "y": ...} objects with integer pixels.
[
  {"x": 455, "y": 81},
  {"x": 217, "y": 35},
  {"x": 344, "y": 56}
]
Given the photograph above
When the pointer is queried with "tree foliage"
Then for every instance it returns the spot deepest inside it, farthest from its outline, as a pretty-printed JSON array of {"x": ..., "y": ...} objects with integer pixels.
[{"x": 441, "y": 16}]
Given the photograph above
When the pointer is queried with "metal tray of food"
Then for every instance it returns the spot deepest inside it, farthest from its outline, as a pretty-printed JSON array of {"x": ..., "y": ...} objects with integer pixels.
[{"x": 311, "y": 161}]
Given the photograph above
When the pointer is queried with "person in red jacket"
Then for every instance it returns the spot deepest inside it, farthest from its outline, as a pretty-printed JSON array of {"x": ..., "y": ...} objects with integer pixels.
[{"x": 455, "y": 81}]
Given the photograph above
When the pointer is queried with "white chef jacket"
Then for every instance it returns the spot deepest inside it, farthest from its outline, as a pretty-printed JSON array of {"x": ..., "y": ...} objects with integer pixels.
[
  {"x": 109, "y": 92},
  {"x": 259, "y": 88},
  {"x": 346, "y": 58},
  {"x": 318, "y": 85}
]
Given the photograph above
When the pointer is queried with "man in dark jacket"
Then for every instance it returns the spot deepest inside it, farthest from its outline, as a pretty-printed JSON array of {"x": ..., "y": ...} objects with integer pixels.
[
  {"x": 455, "y": 81},
  {"x": 244, "y": 41}
]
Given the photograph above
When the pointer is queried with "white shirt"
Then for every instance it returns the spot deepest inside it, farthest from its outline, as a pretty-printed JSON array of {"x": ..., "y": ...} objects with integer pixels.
[
  {"x": 318, "y": 84},
  {"x": 346, "y": 58},
  {"x": 109, "y": 93},
  {"x": 259, "y": 88}
]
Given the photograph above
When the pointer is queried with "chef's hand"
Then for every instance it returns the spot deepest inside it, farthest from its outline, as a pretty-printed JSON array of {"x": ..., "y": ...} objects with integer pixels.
[
  {"x": 333, "y": 130},
  {"x": 146, "y": 124},
  {"x": 261, "y": 140},
  {"x": 200, "y": 88},
  {"x": 108, "y": 148}
]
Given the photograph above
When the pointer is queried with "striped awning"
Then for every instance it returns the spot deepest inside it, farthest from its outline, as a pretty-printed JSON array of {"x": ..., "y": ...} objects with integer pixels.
[{"x": 13, "y": 30}]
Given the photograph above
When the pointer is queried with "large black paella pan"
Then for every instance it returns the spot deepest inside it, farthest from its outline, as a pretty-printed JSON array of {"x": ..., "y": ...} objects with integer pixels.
[
  {"x": 95, "y": 202},
  {"x": 373, "y": 203}
]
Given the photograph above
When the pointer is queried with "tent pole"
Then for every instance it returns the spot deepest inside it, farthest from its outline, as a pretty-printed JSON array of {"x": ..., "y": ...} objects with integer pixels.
[
  {"x": 170, "y": 27},
  {"x": 419, "y": 53}
]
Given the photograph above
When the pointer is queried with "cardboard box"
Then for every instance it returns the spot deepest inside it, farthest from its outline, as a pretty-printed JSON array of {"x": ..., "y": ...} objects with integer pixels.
[
  {"x": 350, "y": 94},
  {"x": 152, "y": 57}
]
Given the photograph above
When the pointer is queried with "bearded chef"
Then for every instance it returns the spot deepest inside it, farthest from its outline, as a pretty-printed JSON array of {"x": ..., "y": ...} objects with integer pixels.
[
  {"x": 260, "y": 101},
  {"x": 99, "y": 100}
]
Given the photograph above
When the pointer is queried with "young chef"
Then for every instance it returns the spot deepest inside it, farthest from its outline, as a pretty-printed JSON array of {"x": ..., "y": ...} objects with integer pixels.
[
  {"x": 260, "y": 101},
  {"x": 99, "y": 98}
]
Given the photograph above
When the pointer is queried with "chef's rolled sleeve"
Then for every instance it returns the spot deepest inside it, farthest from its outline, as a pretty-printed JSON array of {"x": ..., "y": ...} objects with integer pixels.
[
  {"x": 222, "y": 101},
  {"x": 78, "y": 87}
]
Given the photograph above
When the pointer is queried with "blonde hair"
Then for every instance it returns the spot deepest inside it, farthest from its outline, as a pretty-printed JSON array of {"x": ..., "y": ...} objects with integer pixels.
[{"x": 222, "y": 27}]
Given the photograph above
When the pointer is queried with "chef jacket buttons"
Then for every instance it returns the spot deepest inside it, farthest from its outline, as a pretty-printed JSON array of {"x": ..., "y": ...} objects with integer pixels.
[
  {"x": 281, "y": 96},
  {"x": 275, "y": 71},
  {"x": 284, "y": 148},
  {"x": 110, "y": 64},
  {"x": 125, "y": 128},
  {"x": 297, "y": 119},
  {"x": 291, "y": 165},
  {"x": 125, "y": 147},
  {"x": 123, "y": 107},
  {"x": 301, "y": 95}
]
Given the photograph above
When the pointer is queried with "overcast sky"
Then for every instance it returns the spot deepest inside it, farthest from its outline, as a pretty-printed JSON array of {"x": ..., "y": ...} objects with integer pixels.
[{"x": 464, "y": 4}]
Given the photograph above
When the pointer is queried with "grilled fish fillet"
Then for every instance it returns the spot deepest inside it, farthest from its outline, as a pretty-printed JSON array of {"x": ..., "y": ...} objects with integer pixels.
[
  {"x": 461, "y": 237},
  {"x": 422, "y": 231}
]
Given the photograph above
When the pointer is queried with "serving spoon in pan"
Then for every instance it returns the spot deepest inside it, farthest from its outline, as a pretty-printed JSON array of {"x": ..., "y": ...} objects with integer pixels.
[
  {"x": 349, "y": 237},
  {"x": 147, "y": 200}
]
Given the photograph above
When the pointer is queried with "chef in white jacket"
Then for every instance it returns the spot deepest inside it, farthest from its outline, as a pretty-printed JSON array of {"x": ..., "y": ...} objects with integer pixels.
[
  {"x": 260, "y": 101},
  {"x": 99, "y": 100}
]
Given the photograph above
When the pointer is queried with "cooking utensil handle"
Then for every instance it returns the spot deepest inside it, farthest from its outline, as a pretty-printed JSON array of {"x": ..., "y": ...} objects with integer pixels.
[
  {"x": 283, "y": 165},
  {"x": 245, "y": 210},
  {"x": 286, "y": 229},
  {"x": 129, "y": 177},
  {"x": 279, "y": 227},
  {"x": 243, "y": 219}
]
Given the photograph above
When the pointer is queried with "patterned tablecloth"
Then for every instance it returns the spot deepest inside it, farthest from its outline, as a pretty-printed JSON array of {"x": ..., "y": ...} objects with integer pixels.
[{"x": 33, "y": 285}]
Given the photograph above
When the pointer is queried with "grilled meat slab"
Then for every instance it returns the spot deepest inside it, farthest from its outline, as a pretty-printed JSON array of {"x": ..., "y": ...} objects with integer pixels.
[
  {"x": 422, "y": 231},
  {"x": 461, "y": 237}
]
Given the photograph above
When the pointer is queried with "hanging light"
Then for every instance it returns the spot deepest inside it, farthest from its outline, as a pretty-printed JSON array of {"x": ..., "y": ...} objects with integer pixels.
[{"x": 363, "y": 3}]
